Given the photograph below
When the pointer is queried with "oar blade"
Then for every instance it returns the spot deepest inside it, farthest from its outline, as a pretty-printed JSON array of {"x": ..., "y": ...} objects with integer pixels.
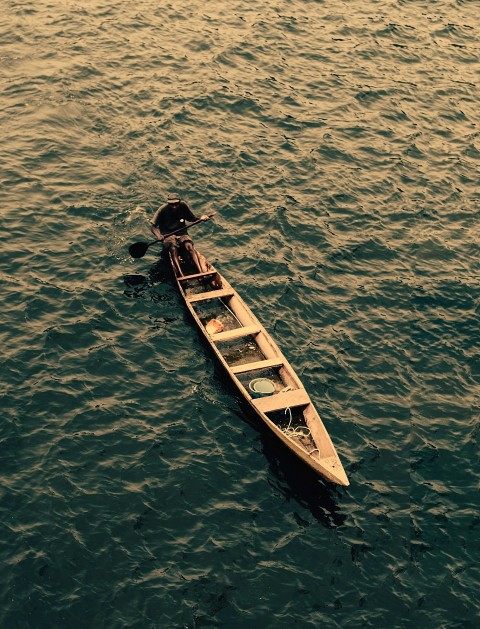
[{"x": 138, "y": 249}]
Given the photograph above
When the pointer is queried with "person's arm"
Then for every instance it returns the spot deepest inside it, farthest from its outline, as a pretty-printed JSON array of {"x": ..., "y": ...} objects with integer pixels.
[
  {"x": 190, "y": 216},
  {"x": 153, "y": 224},
  {"x": 156, "y": 232}
]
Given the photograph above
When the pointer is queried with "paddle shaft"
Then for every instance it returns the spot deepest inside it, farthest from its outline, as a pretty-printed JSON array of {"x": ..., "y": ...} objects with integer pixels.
[
  {"x": 179, "y": 230},
  {"x": 139, "y": 249}
]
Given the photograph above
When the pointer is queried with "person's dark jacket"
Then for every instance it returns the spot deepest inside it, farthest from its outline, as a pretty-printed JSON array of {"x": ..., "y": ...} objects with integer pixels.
[{"x": 169, "y": 218}]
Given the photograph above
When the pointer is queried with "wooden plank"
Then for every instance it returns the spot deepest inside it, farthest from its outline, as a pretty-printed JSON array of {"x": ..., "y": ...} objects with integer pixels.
[
  {"x": 260, "y": 364},
  {"x": 237, "y": 333},
  {"x": 184, "y": 278},
  {"x": 213, "y": 294},
  {"x": 280, "y": 401}
]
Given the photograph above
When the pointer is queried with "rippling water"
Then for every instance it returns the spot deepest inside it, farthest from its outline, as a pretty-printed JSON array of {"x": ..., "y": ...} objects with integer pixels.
[{"x": 338, "y": 143}]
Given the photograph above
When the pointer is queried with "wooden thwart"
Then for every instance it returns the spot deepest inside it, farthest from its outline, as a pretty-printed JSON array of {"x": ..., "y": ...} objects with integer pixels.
[
  {"x": 238, "y": 333},
  {"x": 260, "y": 364},
  {"x": 298, "y": 397},
  {"x": 183, "y": 278},
  {"x": 213, "y": 294}
]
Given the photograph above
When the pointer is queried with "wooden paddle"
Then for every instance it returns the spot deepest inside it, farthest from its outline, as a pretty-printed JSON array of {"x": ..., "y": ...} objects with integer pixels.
[{"x": 139, "y": 249}]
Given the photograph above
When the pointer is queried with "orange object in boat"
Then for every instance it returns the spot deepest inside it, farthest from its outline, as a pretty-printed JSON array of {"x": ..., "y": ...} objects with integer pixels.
[{"x": 214, "y": 326}]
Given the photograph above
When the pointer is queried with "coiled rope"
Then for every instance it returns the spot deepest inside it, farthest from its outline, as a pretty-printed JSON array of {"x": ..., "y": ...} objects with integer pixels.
[{"x": 298, "y": 431}]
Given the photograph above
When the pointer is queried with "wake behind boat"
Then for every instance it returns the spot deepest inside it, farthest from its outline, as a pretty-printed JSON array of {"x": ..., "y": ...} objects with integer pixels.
[{"x": 257, "y": 367}]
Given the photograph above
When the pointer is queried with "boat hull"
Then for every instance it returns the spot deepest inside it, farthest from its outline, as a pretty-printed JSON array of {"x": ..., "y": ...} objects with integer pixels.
[{"x": 250, "y": 356}]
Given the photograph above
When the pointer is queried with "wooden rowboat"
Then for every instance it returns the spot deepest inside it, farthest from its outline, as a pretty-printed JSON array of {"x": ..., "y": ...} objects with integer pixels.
[{"x": 258, "y": 368}]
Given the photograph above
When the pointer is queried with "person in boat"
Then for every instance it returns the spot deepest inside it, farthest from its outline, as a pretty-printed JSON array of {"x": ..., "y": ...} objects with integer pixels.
[{"x": 172, "y": 216}]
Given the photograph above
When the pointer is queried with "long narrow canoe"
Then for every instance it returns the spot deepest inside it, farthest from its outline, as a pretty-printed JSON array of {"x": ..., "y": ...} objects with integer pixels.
[{"x": 258, "y": 368}]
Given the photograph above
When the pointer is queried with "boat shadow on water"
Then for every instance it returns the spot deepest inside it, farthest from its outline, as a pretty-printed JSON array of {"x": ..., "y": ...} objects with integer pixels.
[{"x": 297, "y": 482}]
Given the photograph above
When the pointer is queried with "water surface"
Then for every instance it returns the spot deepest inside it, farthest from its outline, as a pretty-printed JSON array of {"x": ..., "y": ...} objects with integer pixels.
[{"x": 338, "y": 143}]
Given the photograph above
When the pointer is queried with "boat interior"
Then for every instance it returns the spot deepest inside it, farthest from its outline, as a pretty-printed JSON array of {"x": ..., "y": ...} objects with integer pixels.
[{"x": 253, "y": 358}]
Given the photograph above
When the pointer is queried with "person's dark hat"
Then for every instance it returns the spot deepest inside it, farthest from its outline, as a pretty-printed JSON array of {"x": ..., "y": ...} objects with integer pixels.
[{"x": 173, "y": 197}]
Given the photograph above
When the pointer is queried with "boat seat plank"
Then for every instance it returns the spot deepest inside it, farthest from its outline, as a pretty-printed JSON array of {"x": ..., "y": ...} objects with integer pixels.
[
  {"x": 213, "y": 294},
  {"x": 260, "y": 364},
  {"x": 183, "y": 278},
  {"x": 237, "y": 333},
  {"x": 280, "y": 401}
]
